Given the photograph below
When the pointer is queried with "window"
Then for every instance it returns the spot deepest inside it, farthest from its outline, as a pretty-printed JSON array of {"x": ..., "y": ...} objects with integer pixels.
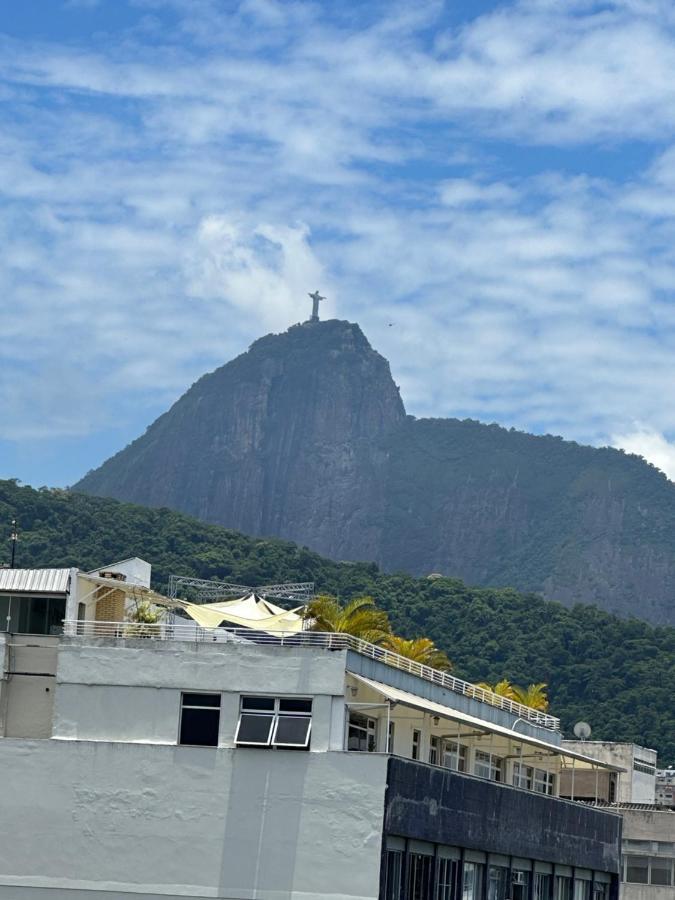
[
  {"x": 522, "y": 776},
  {"x": 390, "y": 738},
  {"x": 543, "y": 782},
  {"x": 600, "y": 891},
  {"x": 661, "y": 871},
  {"x": 563, "y": 887},
  {"x": 284, "y": 722},
  {"x": 582, "y": 889},
  {"x": 487, "y": 765},
  {"x": 637, "y": 869},
  {"x": 420, "y": 870},
  {"x": 472, "y": 888},
  {"x": 362, "y": 732},
  {"x": 497, "y": 885},
  {"x": 520, "y": 884},
  {"x": 416, "y": 741},
  {"x": 542, "y": 885},
  {"x": 393, "y": 867},
  {"x": 434, "y": 750},
  {"x": 199, "y": 720},
  {"x": 454, "y": 756},
  {"x": 448, "y": 872}
]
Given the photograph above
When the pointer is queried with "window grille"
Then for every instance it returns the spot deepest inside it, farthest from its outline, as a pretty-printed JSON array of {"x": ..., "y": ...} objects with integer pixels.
[{"x": 284, "y": 722}]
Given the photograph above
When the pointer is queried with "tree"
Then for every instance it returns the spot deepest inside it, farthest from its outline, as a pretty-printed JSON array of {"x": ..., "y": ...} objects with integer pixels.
[
  {"x": 534, "y": 696},
  {"x": 360, "y": 618},
  {"x": 502, "y": 688},
  {"x": 421, "y": 650}
]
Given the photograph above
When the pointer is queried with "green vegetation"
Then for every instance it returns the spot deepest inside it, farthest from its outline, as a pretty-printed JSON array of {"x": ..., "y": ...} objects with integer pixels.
[
  {"x": 617, "y": 674},
  {"x": 358, "y": 617}
]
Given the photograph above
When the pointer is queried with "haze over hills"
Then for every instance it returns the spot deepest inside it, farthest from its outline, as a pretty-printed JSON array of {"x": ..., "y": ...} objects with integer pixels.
[{"x": 305, "y": 437}]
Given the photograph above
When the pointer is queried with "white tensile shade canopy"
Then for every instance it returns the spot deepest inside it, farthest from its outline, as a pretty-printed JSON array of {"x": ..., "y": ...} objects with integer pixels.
[{"x": 246, "y": 612}]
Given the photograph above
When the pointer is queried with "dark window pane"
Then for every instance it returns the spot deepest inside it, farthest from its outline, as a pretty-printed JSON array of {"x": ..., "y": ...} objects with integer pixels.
[
  {"x": 661, "y": 870},
  {"x": 212, "y": 700},
  {"x": 254, "y": 729},
  {"x": 637, "y": 869},
  {"x": 392, "y": 883},
  {"x": 263, "y": 703},
  {"x": 293, "y": 704},
  {"x": 292, "y": 730},
  {"x": 199, "y": 727}
]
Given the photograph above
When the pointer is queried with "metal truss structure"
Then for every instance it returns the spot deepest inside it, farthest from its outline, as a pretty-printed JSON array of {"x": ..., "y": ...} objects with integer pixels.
[{"x": 200, "y": 590}]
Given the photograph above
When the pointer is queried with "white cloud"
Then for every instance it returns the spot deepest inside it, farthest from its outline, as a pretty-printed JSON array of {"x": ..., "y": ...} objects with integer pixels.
[
  {"x": 169, "y": 195},
  {"x": 650, "y": 445}
]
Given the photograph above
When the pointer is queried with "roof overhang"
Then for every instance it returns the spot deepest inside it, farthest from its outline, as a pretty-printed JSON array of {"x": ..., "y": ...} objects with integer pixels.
[{"x": 395, "y": 695}]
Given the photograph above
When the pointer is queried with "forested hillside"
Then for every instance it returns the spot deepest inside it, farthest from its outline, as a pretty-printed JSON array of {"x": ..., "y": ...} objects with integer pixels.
[
  {"x": 617, "y": 674},
  {"x": 305, "y": 437}
]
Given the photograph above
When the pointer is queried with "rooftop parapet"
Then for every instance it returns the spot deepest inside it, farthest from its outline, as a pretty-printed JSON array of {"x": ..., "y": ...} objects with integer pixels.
[{"x": 164, "y": 631}]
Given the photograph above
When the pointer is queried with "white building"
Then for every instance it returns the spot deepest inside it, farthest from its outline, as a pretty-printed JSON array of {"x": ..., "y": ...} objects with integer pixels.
[{"x": 174, "y": 761}]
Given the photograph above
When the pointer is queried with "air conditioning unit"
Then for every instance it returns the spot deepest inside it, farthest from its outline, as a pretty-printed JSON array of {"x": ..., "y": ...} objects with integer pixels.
[{"x": 519, "y": 878}]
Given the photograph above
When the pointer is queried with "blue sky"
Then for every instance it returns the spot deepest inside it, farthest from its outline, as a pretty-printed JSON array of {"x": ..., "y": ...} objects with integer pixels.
[{"x": 496, "y": 180}]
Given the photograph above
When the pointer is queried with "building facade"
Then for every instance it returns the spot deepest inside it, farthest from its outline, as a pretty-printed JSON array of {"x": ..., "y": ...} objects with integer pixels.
[{"x": 173, "y": 763}]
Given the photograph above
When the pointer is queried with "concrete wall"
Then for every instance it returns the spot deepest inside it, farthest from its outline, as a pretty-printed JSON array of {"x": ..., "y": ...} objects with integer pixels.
[
  {"x": 188, "y": 822},
  {"x": 432, "y": 804},
  {"x": 634, "y": 786},
  {"x": 106, "y": 690}
]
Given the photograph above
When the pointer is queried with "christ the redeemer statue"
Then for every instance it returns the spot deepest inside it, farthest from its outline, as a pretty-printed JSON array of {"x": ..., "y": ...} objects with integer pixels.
[{"x": 316, "y": 299}]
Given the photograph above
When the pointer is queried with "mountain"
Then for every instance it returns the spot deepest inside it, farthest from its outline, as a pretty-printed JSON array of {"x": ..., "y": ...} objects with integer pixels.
[
  {"x": 617, "y": 674},
  {"x": 305, "y": 437}
]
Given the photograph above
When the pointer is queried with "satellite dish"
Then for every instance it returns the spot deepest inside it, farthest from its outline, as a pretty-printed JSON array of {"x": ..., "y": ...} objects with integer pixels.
[{"x": 582, "y": 730}]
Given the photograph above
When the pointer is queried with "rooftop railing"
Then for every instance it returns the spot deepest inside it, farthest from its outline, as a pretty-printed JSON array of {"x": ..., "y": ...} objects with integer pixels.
[{"x": 166, "y": 631}]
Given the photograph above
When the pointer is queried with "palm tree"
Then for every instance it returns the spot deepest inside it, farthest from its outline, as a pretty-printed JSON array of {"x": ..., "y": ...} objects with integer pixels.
[
  {"x": 502, "y": 688},
  {"x": 360, "y": 618},
  {"x": 534, "y": 696},
  {"x": 421, "y": 650}
]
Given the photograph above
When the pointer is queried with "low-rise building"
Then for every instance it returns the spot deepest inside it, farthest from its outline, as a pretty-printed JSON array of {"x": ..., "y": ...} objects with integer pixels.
[{"x": 174, "y": 760}]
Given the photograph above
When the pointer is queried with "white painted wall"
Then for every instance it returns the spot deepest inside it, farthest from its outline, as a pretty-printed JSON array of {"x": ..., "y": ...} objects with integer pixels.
[
  {"x": 171, "y": 822},
  {"x": 108, "y": 692}
]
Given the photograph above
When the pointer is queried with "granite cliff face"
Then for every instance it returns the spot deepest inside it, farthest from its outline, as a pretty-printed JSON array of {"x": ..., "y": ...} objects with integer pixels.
[{"x": 305, "y": 437}]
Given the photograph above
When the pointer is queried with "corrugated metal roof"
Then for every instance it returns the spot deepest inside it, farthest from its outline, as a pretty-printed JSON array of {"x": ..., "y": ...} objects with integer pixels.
[{"x": 35, "y": 581}]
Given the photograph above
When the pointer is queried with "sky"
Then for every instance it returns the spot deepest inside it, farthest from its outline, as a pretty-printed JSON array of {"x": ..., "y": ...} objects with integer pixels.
[{"x": 487, "y": 188}]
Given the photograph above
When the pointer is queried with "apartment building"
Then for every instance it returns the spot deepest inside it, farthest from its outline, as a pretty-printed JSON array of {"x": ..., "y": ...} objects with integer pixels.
[{"x": 184, "y": 760}]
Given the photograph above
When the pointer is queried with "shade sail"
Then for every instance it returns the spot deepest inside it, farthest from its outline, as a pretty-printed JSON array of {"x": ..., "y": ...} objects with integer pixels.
[{"x": 246, "y": 612}]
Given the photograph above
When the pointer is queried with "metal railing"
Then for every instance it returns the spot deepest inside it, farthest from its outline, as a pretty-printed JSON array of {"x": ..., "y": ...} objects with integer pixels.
[{"x": 171, "y": 631}]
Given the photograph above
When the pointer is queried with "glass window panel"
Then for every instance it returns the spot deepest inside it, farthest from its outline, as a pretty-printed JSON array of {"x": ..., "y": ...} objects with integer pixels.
[
  {"x": 254, "y": 728},
  {"x": 416, "y": 740},
  {"x": 582, "y": 889},
  {"x": 542, "y": 886},
  {"x": 292, "y": 731},
  {"x": 392, "y": 874},
  {"x": 420, "y": 868},
  {"x": 563, "y": 887},
  {"x": 295, "y": 704},
  {"x": 261, "y": 703},
  {"x": 434, "y": 749},
  {"x": 199, "y": 727},
  {"x": 448, "y": 870},
  {"x": 661, "y": 870},
  {"x": 472, "y": 887},
  {"x": 637, "y": 869},
  {"x": 4, "y": 612},
  {"x": 522, "y": 776},
  {"x": 211, "y": 700},
  {"x": 520, "y": 884},
  {"x": 497, "y": 883}
]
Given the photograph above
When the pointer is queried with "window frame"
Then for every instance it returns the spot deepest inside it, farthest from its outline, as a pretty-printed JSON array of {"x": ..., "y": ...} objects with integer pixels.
[
  {"x": 274, "y": 713},
  {"x": 212, "y": 709}
]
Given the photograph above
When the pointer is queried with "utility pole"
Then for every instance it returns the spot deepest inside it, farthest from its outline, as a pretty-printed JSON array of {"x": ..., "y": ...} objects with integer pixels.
[{"x": 14, "y": 537}]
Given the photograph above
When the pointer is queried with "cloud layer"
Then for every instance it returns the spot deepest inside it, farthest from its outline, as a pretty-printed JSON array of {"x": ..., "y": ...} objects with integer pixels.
[{"x": 489, "y": 195}]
